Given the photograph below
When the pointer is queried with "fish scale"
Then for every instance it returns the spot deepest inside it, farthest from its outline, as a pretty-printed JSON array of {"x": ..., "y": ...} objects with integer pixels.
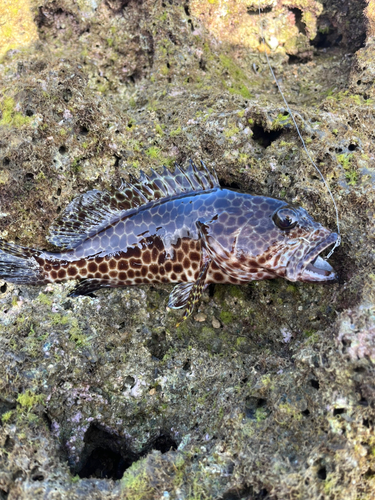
[{"x": 174, "y": 227}]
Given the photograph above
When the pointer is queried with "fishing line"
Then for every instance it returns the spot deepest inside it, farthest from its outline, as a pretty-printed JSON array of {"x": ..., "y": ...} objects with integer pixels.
[{"x": 338, "y": 241}]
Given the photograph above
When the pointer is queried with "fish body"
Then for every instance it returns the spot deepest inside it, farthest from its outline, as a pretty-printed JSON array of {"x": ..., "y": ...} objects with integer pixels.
[{"x": 179, "y": 227}]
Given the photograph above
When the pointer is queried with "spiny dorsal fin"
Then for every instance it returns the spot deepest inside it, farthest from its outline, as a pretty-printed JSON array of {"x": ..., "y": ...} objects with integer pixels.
[
  {"x": 91, "y": 212},
  {"x": 95, "y": 210},
  {"x": 167, "y": 183}
]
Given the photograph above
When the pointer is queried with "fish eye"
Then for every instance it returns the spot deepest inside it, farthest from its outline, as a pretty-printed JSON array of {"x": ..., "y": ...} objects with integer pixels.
[{"x": 285, "y": 218}]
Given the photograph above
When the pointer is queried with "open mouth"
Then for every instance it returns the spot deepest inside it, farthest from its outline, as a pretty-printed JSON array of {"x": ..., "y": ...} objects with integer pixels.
[{"x": 318, "y": 269}]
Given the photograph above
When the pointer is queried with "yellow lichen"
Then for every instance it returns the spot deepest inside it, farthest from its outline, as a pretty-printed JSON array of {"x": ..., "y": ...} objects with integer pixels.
[
  {"x": 17, "y": 27},
  {"x": 28, "y": 399},
  {"x": 9, "y": 115},
  {"x": 230, "y": 21}
]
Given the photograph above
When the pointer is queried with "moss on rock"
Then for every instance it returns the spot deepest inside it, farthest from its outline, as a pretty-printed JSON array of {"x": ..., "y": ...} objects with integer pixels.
[{"x": 276, "y": 399}]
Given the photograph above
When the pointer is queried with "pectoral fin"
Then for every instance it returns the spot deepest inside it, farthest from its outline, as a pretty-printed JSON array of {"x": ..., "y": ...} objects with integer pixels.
[{"x": 223, "y": 249}]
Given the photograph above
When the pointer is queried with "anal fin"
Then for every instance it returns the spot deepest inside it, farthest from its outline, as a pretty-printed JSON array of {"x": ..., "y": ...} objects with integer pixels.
[{"x": 88, "y": 286}]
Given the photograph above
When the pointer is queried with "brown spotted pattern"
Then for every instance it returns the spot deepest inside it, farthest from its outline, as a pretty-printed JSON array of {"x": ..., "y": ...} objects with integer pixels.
[
  {"x": 164, "y": 242},
  {"x": 177, "y": 227}
]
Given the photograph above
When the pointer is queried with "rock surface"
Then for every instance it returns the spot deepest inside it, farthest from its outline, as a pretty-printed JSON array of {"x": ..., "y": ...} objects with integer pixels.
[{"x": 268, "y": 391}]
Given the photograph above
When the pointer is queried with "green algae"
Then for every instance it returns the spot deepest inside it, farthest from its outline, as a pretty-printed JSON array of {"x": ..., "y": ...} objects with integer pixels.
[
  {"x": 226, "y": 317},
  {"x": 9, "y": 116},
  {"x": 28, "y": 400},
  {"x": 351, "y": 173},
  {"x": 153, "y": 152},
  {"x": 135, "y": 484},
  {"x": 80, "y": 356},
  {"x": 176, "y": 132},
  {"x": 238, "y": 84}
]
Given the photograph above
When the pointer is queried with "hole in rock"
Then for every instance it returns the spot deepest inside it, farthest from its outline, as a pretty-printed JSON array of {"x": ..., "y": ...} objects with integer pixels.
[
  {"x": 298, "y": 20},
  {"x": 230, "y": 185},
  {"x": 9, "y": 444},
  {"x": 67, "y": 95},
  {"x": 162, "y": 443},
  {"x": 327, "y": 36},
  {"x": 62, "y": 149},
  {"x": 83, "y": 130},
  {"x": 338, "y": 411},
  {"x": 104, "y": 463},
  {"x": 104, "y": 455},
  {"x": 36, "y": 475},
  {"x": 264, "y": 137},
  {"x": 314, "y": 383},
  {"x": 107, "y": 456},
  {"x": 129, "y": 381},
  {"x": 211, "y": 290},
  {"x": 298, "y": 59},
  {"x": 202, "y": 64},
  {"x": 117, "y": 161},
  {"x": 360, "y": 369},
  {"x": 305, "y": 413},
  {"x": 332, "y": 27},
  {"x": 3, "y": 288},
  {"x": 322, "y": 473},
  {"x": 18, "y": 474},
  {"x": 252, "y": 404},
  {"x": 363, "y": 401},
  {"x": 6, "y": 161},
  {"x": 29, "y": 112},
  {"x": 369, "y": 474}
]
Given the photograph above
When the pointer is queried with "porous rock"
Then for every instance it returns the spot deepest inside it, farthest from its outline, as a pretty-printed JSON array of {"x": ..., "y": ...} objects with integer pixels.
[{"x": 270, "y": 394}]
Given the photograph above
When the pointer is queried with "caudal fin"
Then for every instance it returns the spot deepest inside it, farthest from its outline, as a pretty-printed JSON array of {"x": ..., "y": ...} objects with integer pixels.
[{"x": 18, "y": 264}]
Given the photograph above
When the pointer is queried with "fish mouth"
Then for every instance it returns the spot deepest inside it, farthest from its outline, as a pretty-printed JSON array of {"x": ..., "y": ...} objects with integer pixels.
[
  {"x": 318, "y": 270},
  {"x": 312, "y": 267}
]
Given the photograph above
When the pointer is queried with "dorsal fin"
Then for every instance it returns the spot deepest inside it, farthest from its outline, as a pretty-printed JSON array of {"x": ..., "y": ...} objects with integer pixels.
[
  {"x": 95, "y": 210},
  {"x": 167, "y": 183}
]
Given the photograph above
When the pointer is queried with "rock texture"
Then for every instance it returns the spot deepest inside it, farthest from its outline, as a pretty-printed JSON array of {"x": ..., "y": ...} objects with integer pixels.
[{"x": 268, "y": 391}]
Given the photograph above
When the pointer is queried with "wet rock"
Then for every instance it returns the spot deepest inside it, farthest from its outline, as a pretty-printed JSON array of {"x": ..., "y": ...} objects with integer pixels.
[{"x": 269, "y": 393}]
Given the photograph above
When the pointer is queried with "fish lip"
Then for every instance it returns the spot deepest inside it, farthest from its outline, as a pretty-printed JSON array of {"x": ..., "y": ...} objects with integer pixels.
[{"x": 307, "y": 270}]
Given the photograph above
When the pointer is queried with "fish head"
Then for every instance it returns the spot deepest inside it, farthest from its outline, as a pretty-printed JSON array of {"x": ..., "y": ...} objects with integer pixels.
[
  {"x": 257, "y": 237},
  {"x": 286, "y": 241}
]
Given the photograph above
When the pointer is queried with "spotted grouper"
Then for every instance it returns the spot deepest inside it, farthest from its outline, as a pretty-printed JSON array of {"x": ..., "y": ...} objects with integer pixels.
[{"x": 179, "y": 227}]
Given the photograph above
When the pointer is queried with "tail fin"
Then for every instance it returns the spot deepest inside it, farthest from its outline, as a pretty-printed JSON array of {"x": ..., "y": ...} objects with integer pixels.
[{"x": 18, "y": 264}]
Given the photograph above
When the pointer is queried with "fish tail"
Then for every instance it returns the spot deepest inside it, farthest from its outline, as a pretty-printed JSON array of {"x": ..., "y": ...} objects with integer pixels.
[{"x": 19, "y": 265}]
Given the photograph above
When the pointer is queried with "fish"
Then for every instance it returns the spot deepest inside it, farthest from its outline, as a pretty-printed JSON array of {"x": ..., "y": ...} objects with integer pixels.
[{"x": 174, "y": 227}]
